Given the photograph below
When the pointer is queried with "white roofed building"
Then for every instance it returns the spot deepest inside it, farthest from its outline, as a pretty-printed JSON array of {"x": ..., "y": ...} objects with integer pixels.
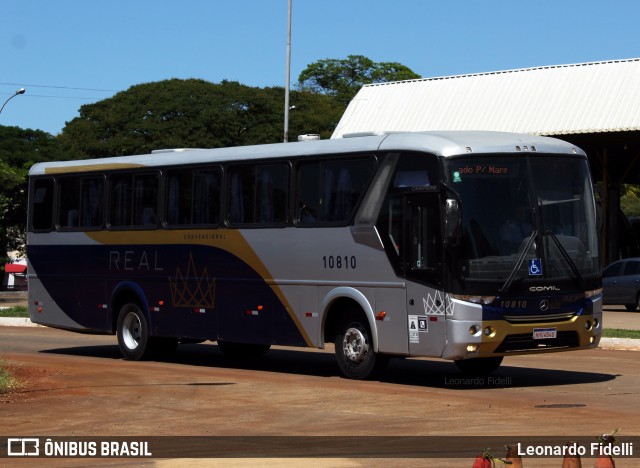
[
  {"x": 556, "y": 100},
  {"x": 594, "y": 105}
]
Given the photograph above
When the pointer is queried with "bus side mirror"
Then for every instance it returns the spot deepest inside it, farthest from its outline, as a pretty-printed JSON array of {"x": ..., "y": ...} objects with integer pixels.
[{"x": 452, "y": 221}]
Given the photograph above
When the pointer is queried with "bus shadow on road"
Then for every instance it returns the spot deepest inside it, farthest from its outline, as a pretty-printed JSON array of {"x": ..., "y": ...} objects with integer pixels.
[
  {"x": 444, "y": 374},
  {"x": 416, "y": 372}
]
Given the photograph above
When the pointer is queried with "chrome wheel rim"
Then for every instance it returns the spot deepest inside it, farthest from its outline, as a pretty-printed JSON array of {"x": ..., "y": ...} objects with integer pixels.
[
  {"x": 131, "y": 330},
  {"x": 354, "y": 345}
]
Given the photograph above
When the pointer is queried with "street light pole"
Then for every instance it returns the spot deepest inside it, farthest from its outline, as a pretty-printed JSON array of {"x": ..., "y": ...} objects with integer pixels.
[
  {"x": 20, "y": 91},
  {"x": 288, "y": 80}
]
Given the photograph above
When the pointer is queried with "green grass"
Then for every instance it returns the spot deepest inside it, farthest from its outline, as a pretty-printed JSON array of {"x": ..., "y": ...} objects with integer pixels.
[
  {"x": 7, "y": 381},
  {"x": 17, "y": 311},
  {"x": 618, "y": 333}
]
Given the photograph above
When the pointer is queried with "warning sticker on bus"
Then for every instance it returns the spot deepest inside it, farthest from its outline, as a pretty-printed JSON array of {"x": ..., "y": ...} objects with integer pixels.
[{"x": 545, "y": 333}]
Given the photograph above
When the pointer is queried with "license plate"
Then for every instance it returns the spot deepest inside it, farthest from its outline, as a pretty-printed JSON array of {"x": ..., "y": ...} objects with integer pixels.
[{"x": 545, "y": 333}]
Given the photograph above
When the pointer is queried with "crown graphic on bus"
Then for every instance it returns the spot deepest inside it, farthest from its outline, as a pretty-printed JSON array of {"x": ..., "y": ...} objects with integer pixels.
[{"x": 193, "y": 289}]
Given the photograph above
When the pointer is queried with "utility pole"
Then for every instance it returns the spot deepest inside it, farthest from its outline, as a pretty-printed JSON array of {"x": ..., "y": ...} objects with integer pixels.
[{"x": 288, "y": 79}]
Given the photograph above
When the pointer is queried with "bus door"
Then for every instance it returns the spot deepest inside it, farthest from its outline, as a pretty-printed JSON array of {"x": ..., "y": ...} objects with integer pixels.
[{"x": 426, "y": 302}]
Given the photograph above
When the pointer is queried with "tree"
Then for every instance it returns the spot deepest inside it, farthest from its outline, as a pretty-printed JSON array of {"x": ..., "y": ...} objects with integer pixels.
[
  {"x": 313, "y": 113},
  {"x": 19, "y": 150},
  {"x": 630, "y": 200},
  {"x": 343, "y": 78},
  {"x": 190, "y": 113},
  {"x": 167, "y": 114}
]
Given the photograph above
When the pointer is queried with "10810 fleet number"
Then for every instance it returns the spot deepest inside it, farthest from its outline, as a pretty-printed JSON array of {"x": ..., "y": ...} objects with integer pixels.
[{"x": 339, "y": 262}]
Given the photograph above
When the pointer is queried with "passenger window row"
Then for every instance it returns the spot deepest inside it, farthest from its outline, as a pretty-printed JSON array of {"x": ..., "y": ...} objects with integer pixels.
[{"x": 325, "y": 192}]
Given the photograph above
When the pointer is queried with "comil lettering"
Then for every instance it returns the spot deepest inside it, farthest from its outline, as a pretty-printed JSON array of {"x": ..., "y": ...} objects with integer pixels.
[{"x": 544, "y": 288}]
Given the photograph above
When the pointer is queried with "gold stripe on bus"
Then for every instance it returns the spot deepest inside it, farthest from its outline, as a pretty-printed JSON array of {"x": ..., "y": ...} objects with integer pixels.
[
  {"x": 91, "y": 167},
  {"x": 229, "y": 240}
]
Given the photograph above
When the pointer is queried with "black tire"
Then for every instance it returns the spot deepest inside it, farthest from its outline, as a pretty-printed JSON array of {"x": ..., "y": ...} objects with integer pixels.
[
  {"x": 354, "y": 351},
  {"x": 479, "y": 366},
  {"x": 633, "y": 307},
  {"x": 242, "y": 350},
  {"x": 133, "y": 333}
]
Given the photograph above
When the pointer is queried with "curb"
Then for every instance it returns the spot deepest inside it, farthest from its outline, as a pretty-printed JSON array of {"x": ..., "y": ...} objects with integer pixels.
[
  {"x": 17, "y": 322},
  {"x": 621, "y": 344}
]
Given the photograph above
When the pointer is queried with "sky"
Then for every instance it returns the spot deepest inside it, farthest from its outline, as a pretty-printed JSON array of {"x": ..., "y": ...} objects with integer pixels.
[{"x": 68, "y": 53}]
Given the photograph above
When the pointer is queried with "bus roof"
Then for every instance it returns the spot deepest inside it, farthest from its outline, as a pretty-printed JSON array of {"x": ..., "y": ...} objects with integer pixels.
[{"x": 443, "y": 143}]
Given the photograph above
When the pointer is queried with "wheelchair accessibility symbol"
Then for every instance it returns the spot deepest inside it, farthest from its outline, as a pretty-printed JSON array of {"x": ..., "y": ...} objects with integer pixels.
[{"x": 535, "y": 267}]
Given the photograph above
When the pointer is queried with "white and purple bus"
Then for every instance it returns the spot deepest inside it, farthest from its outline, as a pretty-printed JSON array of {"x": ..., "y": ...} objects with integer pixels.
[{"x": 467, "y": 246}]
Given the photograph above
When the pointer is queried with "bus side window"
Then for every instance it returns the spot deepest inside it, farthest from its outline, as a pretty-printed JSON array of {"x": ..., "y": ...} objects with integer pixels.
[
  {"x": 91, "y": 203},
  {"x": 272, "y": 190},
  {"x": 329, "y": 191},
  {"x": 42, "y": 204},
  {"x": 258, "y": 194},
  {"x": 206, "y": 196},
  {"x": 345, "y": 181},
  {"x": 120, "y": 200},
  {"x": 179, "y": 196},
  {"x": 134, "y": 200},
  {"x": 239, "y": 199},
  {"x": 69, "y": 202},
  {"x": 193, "y": 196},
  {"x": 145, "y": 200},
  {"x": 308, "y": 197}
]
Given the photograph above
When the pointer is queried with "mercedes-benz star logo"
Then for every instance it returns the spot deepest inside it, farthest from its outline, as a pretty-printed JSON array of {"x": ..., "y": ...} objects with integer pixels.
[{"x": 544, "y": 305}]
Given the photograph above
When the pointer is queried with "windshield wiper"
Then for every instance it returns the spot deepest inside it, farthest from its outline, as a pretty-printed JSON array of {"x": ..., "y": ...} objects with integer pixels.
[
  {"x": 567, "y": 258},
  {"x": 514, "y": 272}
]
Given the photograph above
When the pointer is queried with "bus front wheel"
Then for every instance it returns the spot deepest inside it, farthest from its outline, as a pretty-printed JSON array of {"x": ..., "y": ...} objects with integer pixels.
[
  {"x": 133, "y": 333},
  {"x": 354, "y": 352}
]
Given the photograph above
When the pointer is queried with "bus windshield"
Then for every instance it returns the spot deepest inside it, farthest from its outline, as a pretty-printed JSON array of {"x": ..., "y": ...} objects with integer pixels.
[{"x": 529, "y": 217}]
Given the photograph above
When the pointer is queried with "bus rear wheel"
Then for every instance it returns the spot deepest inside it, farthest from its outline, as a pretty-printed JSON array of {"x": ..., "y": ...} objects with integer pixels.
[
  {"x": 133, "y": 333},
  {"x": 134, "y": 340},
  {"x": 354, "y": 352},
  {"x": 479, "y": 366}
]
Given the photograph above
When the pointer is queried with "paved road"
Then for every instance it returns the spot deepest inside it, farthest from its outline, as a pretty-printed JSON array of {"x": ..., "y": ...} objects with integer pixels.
[
  {"x": 618, "y": 317},
  {"x": 78, "y": 385}
]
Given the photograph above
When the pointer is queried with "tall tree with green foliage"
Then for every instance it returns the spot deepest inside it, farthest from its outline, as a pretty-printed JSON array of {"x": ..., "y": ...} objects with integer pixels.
[
  {"x": 342, "y": 78},
  {"x": 19, "y": 150},
  {"x": 191, "y": 113}
]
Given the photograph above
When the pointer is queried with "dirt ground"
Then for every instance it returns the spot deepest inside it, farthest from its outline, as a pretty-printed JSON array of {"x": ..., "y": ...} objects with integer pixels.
[{"x": 78, "y": 386}]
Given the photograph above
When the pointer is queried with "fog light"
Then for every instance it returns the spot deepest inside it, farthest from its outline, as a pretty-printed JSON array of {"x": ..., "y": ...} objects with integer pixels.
[
  {"x": 473, "y": 330},
  {"x": 587, "y": 325},
  {"x": 472, "y": 348},
  {"x": 489, "y": 331},
  {"x": 596, "y": 323}
]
